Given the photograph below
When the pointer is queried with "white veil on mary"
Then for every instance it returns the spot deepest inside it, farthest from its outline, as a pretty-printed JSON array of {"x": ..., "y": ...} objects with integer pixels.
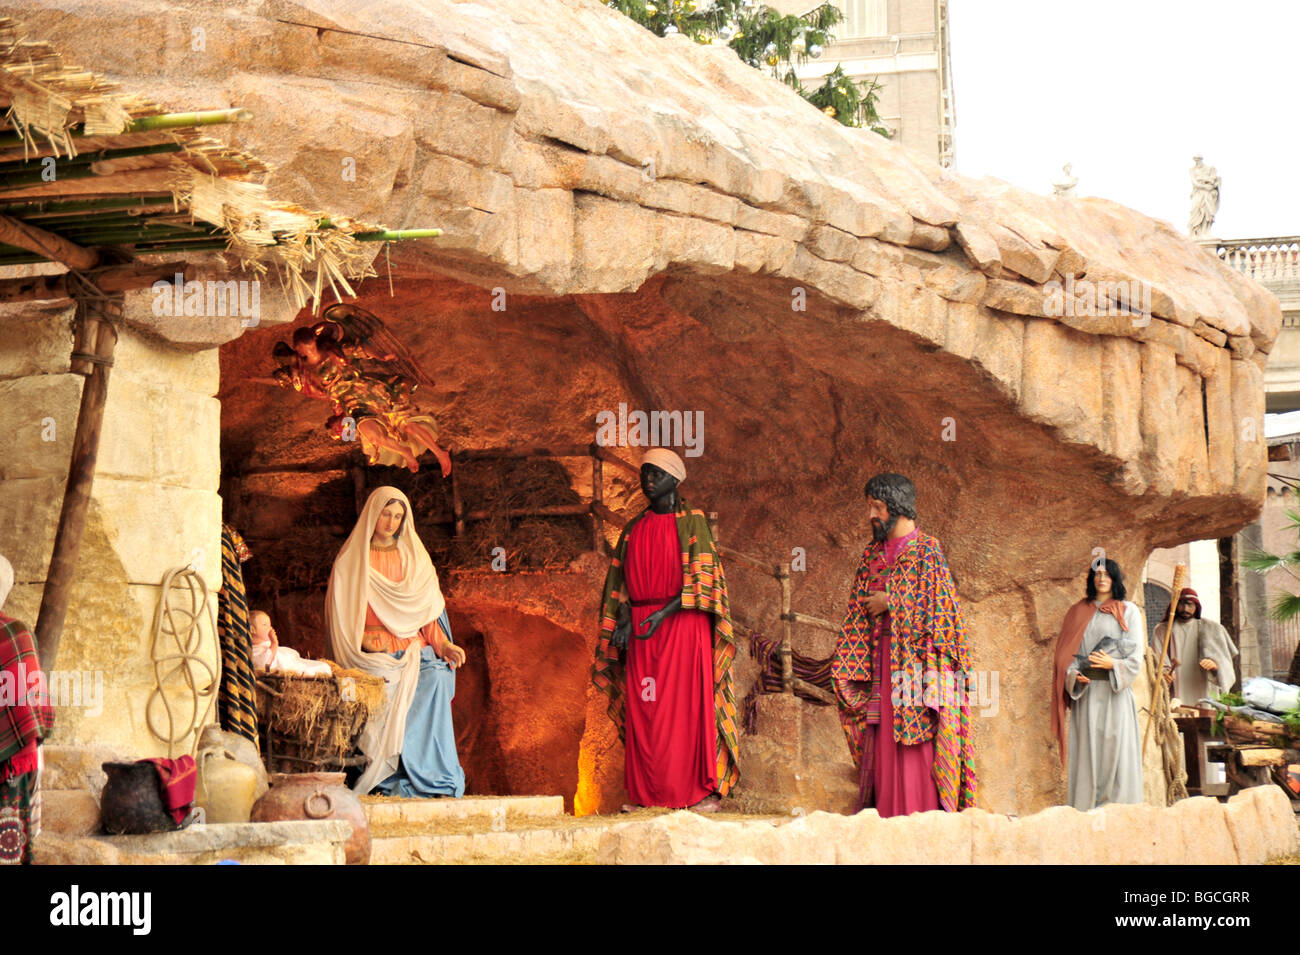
[{"x": 402, "y": 606}]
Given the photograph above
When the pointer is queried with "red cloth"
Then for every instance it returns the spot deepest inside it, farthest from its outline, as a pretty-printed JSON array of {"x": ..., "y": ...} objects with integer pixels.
[
  {"x": 176, "y": 779},
  {"x": 904, "y": 780},
  {"x": 671, "y": 733},
  {"x": 26, "y": 717}
]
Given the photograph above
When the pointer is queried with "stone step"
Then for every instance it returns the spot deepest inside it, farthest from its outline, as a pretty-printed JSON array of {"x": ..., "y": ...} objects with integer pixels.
[
  {"x": 485, "y": 812},
  {"x": 573, "y": 843},
  {"x": 77, "y": 767},
  {"x": 69, "y": 812},
  {"x": 263, "y": 843}
]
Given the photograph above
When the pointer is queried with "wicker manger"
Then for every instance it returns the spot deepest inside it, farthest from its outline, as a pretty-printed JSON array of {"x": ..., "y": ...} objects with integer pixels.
[{"x": 311, "y": 724}]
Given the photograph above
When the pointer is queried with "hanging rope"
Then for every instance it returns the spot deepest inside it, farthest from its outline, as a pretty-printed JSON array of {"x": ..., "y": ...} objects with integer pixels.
[{"x": 178, "y": 638}]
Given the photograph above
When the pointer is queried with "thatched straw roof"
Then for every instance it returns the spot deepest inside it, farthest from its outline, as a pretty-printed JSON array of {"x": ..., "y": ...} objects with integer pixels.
[{"x": 96, "y": 166}]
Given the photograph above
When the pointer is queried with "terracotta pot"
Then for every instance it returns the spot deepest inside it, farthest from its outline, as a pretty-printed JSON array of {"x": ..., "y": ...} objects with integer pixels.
[
  {"x": 131, "y": 803},
  {"x": 317, "y": 796}
]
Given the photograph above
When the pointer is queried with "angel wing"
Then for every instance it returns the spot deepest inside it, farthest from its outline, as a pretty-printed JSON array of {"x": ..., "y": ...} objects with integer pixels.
[{"x": 368, "y": 329}]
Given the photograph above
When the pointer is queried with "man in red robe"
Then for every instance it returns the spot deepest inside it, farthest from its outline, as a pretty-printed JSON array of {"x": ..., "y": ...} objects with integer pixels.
[
  {"x": 901, "y": 664},
  {"x": 665, "y": 650}
]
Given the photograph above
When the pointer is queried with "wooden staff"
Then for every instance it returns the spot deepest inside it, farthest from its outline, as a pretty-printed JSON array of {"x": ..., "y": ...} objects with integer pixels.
[{"x": 1160, "y": 690}]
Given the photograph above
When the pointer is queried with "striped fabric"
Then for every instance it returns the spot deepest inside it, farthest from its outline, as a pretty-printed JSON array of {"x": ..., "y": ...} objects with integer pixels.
[
  {"x": 237, "y": 702},
  {"x": 808, "y": 669},
  {"x": 704, "y": 587}
]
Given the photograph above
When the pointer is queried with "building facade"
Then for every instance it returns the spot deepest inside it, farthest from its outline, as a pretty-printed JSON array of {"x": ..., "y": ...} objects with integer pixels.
[{"x": 903, "y": 45}]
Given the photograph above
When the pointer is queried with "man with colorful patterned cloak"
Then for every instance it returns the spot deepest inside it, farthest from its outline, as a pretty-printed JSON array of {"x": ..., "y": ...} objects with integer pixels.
[
  {"x": 665, "y": 650},
  {"x": 901, "y": 665}
]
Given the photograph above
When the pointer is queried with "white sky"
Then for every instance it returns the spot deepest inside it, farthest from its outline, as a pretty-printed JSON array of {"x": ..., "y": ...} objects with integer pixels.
[{"x": 1128, "y": 91}]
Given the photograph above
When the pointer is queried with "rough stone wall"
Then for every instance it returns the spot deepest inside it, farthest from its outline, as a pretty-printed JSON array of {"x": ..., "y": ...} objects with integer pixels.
[{"x": 154, "y": 507}]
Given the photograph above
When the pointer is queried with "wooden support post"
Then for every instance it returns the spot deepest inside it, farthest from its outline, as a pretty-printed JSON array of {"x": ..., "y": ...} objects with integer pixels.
[
  {"x": 787, "y": 631},
  {"x": 98, "y": 338},
  {"x": 597, "y": 499},
  {"x": 457, "y": 505},
  {"x": 358, "y": 488}
]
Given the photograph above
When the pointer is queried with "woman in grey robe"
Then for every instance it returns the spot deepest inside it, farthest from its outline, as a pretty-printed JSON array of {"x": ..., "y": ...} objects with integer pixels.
[{"x": 1105, "y": 751}]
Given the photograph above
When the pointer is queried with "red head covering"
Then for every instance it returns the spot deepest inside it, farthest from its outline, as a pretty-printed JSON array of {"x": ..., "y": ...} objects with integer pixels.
[{"x": 1187, "y": 593}]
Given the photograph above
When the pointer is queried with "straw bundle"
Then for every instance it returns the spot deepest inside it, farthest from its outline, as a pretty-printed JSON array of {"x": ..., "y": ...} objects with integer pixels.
[
  {"x": 265, "y": 232},
  {"x": 319, "y": 718}
]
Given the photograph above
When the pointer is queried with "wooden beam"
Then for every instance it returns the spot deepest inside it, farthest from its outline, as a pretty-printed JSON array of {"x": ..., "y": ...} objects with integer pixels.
[
  {"x": 19, "y": 233},
  {"x": 111, "y": 280},
  {"x": 1263, "y": 757},
  {"x": 812, "y": 689},
  {"x": 810, "y": 621},
  {"x": 605, "y": 454},
  {"x": 98, "y": 338}
]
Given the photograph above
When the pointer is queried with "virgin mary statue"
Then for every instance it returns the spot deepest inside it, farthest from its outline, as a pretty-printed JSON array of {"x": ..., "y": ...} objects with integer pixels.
[{"x": 387, "y": 617}]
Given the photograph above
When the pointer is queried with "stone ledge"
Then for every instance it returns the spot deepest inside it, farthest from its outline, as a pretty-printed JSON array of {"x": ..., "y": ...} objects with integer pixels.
[
  {"x": 267, "y": 843},
  {"x": 486, "y": 809},
  {"x": 1254, "y": 826}
]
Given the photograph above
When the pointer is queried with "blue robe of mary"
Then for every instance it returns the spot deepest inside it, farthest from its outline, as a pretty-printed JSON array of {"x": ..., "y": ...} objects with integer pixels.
[{"x": 429, "y": 764}]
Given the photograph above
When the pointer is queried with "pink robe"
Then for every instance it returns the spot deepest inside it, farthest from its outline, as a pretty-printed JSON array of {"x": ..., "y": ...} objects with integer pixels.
[
  {"x": 903, "y": 776},
  {"x": 670, "y": 750}
]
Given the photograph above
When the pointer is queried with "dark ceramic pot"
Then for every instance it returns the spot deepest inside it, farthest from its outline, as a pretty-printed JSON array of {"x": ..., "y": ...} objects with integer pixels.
[
  {"x": 132, "y": 801},
  {"x": 316, "y": 796}
]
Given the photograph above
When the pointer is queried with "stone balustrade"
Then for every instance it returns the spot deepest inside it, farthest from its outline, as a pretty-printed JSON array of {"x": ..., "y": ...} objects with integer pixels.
[{"x": 1264, "y": 260}]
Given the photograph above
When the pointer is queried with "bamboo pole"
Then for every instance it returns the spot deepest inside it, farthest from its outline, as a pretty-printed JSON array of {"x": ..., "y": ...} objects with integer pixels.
[
  {"x": 36, "y": 177},
  {"x": 148, "y": 124},
  {"x": 88, "y": 159},
  {"x": 1160, "y": 691},
  {"x": 207, "y": 117},
  {"x": 81, "y": 474},
  {"x": 209, "y": 245},
  {"x": 110, "y": 205},
  {"x": 396, "y": 235}
]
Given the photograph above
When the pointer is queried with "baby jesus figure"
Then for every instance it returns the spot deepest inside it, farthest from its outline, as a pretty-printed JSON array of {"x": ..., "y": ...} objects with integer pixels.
[{"x": 269, "y": 655}]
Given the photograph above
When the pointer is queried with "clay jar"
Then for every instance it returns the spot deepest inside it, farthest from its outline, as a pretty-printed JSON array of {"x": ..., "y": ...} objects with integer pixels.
[
  {"x": 226, "y": 788},
  {"x": 317, "y": 796}
]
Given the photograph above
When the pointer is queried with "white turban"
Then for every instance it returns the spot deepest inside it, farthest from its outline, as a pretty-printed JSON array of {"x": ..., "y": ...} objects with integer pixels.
[
  {"x": 403, "y": 607},
  {"x": 6, "y": 579},
  {"x": 666, "y": 460}
]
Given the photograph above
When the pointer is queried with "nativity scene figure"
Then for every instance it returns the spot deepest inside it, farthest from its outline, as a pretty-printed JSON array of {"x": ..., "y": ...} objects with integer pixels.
[{"x": 353, "y": 361}]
